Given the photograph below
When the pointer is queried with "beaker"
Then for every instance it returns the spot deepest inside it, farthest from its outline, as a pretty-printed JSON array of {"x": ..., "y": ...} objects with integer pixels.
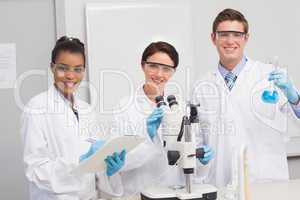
[{"x": 270, "y": 95}]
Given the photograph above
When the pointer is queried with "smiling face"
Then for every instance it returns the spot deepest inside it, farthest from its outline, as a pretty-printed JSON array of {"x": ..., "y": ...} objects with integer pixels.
[
  {"x": 231, "y": 46},
  {"x": 68, "y": 71},
  {"x": 157, "y": 76}
]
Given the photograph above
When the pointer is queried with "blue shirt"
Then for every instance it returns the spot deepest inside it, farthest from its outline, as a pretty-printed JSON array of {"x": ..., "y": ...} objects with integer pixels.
[{"x": 237, "y": 70}]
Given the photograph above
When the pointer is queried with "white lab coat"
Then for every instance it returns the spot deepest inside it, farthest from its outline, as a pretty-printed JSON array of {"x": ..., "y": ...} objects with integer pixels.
[
  {"x": 146, "y": 165},
  {"x": 232, "y": 118},
  {"x": 53, "y": 141}
]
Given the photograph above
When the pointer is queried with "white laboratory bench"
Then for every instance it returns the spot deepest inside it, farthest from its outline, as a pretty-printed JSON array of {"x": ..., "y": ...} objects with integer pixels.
[{"x": 289, "y": 190}]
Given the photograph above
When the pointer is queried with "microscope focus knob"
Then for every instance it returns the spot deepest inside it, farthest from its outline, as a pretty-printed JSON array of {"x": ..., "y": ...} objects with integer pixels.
[{"x": 200, "y": 152}]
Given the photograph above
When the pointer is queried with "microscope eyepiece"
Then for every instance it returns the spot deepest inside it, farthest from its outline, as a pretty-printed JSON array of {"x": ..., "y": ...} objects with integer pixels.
[
  {"x": 160, "y": 101},
  {"x": 171, "y": 100}
]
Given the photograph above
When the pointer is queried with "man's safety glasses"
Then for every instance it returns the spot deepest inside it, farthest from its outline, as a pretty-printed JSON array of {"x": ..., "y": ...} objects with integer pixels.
[{"x": 226, "y": 35}]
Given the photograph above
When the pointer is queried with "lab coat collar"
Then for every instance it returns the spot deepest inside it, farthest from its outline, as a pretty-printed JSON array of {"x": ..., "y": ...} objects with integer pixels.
[
  {"x": 236, "y": 70},
  {"x": 141, "y": 97},
  {"x": 58, "y": 97},
  {"x": 57, "y": 103},
  {"x": 220, "y": 79}
]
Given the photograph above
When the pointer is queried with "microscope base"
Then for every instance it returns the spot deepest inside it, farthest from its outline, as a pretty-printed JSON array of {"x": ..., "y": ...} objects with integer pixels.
[{"x": 199, "y": 192}]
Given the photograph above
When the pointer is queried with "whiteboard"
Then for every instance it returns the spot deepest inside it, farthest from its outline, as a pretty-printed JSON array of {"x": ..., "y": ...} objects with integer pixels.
[{"x": 117, "y": 32}]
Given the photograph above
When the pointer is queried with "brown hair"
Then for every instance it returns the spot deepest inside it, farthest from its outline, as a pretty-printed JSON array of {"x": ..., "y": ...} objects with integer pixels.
[
  {"x": 160, "y": 46},
  {"x": 230, "y": 15}
]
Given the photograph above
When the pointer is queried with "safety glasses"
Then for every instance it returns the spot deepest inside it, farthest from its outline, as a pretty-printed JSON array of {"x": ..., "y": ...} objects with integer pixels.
[
  {"x": 155, "y": 67},
  {"x": 226, "y": 35},
  {"x": 61, "y": 68}
]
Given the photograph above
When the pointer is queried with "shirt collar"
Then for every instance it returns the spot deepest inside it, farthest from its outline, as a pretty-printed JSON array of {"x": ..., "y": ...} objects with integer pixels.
[{"x": 236, "y": 70}]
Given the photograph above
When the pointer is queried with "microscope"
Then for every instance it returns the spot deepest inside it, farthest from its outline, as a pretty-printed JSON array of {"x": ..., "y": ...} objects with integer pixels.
[{"x": 179, "y": 142}]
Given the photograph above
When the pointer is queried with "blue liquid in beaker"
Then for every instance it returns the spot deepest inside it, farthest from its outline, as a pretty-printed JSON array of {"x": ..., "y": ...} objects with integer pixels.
[{"x": 271, "y": 97}]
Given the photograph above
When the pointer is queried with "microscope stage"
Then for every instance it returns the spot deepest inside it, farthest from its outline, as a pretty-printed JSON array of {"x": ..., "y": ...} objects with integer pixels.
[{"x": 199, "y": 192}]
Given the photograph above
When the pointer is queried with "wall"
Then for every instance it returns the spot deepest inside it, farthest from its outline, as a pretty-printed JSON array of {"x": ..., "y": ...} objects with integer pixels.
[
  {"x": 29, "y": 24},
  {"x": 263, "y": 34}
]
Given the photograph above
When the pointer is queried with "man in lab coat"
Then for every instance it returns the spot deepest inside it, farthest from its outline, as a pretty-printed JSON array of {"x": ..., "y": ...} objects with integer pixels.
[{"x": 232, "y": 112}]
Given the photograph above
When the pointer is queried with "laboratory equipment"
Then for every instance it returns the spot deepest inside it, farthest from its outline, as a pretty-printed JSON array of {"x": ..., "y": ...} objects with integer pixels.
[
  {"x": 281, "y": 80},
  {"x": 181, "y": 150},
  {"x": 271, "y": 96},
  {"x": 171, "y": 123},
  {"x": 238, "y": 188}
]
